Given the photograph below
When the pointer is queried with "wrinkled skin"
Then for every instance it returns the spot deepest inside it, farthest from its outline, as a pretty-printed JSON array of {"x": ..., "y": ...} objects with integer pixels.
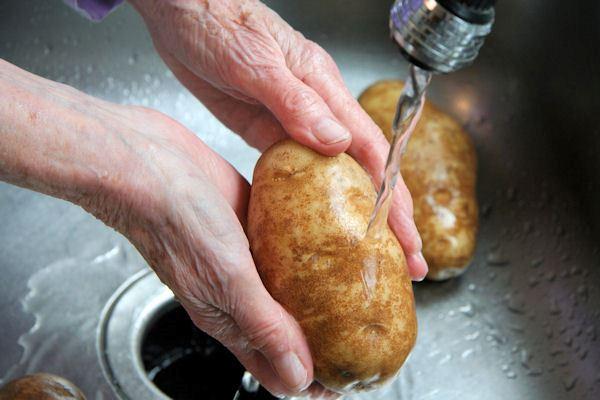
[
  {"x": 264, "y": 80},
  {"x": 179, "y": 203}
]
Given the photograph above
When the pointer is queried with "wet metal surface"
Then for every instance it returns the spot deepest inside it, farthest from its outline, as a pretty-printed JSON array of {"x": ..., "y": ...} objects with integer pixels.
[{"x": 521, "y": 324}]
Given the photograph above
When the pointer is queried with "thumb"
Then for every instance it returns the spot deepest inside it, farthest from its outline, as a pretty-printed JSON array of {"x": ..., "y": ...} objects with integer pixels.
[
  {"x": 274, "y": 333},
  {"x": 301, "y": 111}
]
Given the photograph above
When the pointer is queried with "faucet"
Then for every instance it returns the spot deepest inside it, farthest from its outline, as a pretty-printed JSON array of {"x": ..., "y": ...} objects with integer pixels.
[{"x": 441, "y": 36}]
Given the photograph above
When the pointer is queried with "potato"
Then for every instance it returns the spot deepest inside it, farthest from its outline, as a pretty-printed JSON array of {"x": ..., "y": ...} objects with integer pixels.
[
  {"x": 40, "y": 387},
  {"x": 352, "y": 295},
  {"x": 439, "y": 168}
]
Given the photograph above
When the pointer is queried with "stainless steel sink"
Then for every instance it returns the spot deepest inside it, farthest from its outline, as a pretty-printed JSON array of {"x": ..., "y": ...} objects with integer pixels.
[{"x": 521, "y": 324}]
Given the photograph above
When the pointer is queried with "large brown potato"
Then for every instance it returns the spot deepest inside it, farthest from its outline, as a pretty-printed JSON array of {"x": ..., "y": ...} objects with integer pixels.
[
  {"x": 352, "y": 297},
  {"x": 40, "y": 387},
  {"x": 439, "y": 168}
]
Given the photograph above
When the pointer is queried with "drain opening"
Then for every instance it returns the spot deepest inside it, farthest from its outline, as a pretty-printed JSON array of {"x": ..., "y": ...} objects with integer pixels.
[{"x": 185, "y": 363}]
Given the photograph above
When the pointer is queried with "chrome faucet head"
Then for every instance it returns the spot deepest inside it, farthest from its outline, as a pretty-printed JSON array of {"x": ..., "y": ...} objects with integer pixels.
[{"x": 441, "y": 35}]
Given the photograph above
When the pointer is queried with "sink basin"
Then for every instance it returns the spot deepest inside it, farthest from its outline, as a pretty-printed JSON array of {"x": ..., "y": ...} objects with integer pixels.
[{"x": 522, "y": 323}]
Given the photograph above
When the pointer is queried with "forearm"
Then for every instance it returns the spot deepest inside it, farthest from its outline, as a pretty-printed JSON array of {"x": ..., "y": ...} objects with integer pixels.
[{"x": 49, "y": 140}]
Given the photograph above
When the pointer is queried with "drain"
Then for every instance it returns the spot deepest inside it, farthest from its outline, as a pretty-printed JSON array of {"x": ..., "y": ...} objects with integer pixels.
[
  {"x": 149, "y": 349},
  {"x": 185, "y": 363}
]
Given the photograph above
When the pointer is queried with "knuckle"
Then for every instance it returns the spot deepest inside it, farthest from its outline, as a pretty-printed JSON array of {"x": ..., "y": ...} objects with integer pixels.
[
  {"x": 299, "y": 101},
  {"x": 318, "y": 56},
  {"x": 268, "y": 335}
]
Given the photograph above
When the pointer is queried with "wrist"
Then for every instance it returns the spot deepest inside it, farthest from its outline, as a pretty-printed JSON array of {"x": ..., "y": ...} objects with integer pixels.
[{"x": 54, "y": 139}]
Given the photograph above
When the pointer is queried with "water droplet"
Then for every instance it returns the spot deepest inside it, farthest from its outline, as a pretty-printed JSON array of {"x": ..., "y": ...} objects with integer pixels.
[
  {"x": 590, "y": 331},
  {"x": 574, "y": 271},
  {"x": 569, "y": 382},
  {"x": 525, "y": 357},
  {"x": 515, "y": 304},
  {"x": 550, "y": 276},
  {"x": 555, "y": 351},
  {"x": 467, "y": 310},
  {"x": 511, "y": 374},
  {"x": 472, "y": 336},
  {"x": 582, "y": 291},
  {"x": 516, "y": 328},
  {"x": 467, "y": 353},
  {"x": 495, "y": 336},
  {"x": 534, "y": 372},
  {"x": 533, "y": 281},
  {"x": 445, "y": 359},
  {"x": 497, "y": 259},
  {"x": 133, "y": 59},
  {"x": 147, "y": 78},
  {"x": 471, "y": 287},
  {"x": 48, "y": 49},
  {"x": 563, "y": 274},
  {"x": 536, "y": 262}
]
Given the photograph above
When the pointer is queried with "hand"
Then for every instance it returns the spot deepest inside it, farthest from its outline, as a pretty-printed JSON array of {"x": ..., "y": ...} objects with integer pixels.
[
  {"x": 178, "y": 202},
  {"x": 186, "y": 217},
  {"x": 264, "y": 80}
]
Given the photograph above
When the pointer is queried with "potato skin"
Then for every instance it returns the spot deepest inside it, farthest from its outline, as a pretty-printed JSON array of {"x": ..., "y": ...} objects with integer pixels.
[
  {"x": 439, "y": 168},
  {"x": 352, "y": 296},
  {"x": 40, "y": 387}
]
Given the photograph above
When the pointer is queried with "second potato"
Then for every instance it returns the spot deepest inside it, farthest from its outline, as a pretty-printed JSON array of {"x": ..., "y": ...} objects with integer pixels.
[{"x": 439, "y": 168}]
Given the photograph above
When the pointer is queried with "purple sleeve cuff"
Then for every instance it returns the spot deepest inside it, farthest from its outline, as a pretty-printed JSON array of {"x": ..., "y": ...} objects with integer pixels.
[{"x": 94, "y": 9}]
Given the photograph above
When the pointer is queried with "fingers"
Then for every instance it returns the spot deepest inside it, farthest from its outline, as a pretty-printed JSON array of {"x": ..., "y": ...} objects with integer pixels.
[
  {"x": 369, "y": 147},
  {"x": 402, "y": 223},
  {"x": 271, "y": 331},
  {"x": 302, "y": 112},
  {"x": 242, "y": 315},
  {"x": 253, "y": 122}
]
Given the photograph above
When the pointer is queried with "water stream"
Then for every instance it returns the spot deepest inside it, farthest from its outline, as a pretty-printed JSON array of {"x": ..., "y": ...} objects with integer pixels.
[{"x": 407, "y": 115}]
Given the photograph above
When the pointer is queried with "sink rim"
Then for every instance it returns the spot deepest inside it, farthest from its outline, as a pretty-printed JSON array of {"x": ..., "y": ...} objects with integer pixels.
[{"x": 123, "y": 324}]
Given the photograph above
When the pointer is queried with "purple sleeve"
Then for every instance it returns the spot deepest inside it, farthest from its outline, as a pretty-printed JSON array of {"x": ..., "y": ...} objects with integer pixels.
[{"x": 94, "y": 9}]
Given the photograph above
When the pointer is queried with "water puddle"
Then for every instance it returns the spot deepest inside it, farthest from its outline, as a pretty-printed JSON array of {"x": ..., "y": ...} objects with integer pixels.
[{"x": 66, "y": 298}]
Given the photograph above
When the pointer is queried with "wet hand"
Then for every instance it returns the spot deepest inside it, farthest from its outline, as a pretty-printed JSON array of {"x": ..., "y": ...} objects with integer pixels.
[{"x": 265, "y": 81}]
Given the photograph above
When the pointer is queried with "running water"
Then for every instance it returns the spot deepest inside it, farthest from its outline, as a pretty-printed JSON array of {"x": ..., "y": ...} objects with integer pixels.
[{"x": 407, "y": 115}]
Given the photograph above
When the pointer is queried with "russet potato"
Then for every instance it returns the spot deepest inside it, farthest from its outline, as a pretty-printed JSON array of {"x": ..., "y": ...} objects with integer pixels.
[
  {"x": 40, "y": 387},
  {"x": 439, "y": 168},
  {"x": 351, "y": 295}
]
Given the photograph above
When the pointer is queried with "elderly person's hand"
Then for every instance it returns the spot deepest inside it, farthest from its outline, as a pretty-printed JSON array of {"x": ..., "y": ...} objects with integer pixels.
[
  {"x": 264, "y": 80},
  {"x": 177, "y": 201}
]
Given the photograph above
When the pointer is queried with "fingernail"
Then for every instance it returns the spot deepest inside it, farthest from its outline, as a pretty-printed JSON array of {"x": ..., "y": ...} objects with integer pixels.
[
  {"x": 291, "y": 371},
  {"x": 329, "y": 131},
  {"x": 419, "y": 258}
]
